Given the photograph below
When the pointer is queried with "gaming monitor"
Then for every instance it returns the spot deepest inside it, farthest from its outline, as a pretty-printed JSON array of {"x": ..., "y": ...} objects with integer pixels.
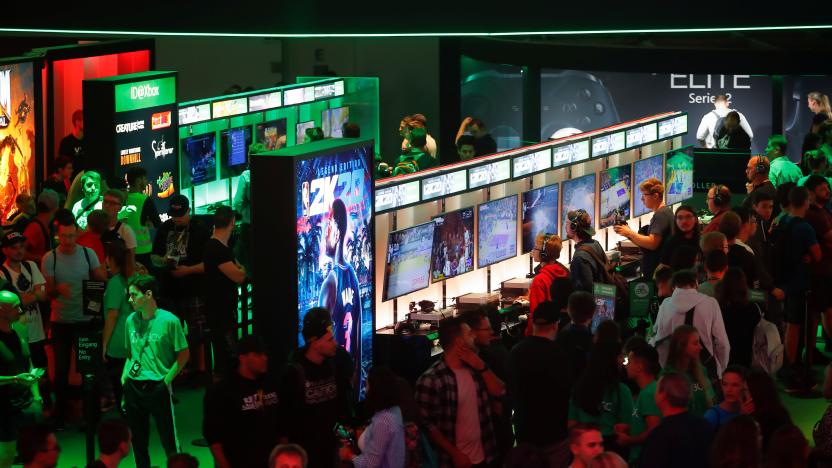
[
  {"x": 578, "y": 193},
  {"x": 453, "y": 244},
  {"x": 643, "y": 169},
  {"x": 300, "y": 131},
  {"x": 333, "y": 120},
  {"x": 679, "y": 175},
  {"x": 496, "y": 231},
  {"x": 408, "y": 260},
  {"x": 201, "y": 153},
  {"x": 234, "y": 143},
  {"x": 540, "y": 214},
  {"x": 616, "y": 190},
  {"x": 272, "y": 135}
]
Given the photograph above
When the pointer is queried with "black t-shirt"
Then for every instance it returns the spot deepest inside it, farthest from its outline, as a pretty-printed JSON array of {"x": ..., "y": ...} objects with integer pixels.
[
  {"x": 188, "y": 244},
  {"x": 73, "y": 149},
  {"x": 220, "y": 291},
  {"x": 150, "y": 213},
  {"x": 485, "y": 145},
  {"x": 14, "y": 360},
  {"x": 540, "y": 384},
  {"x": 744, "y": 260},
  {"x": 679, "y": 441},
  {"x": 674, "y": 243},
  {"x": 740, "y": 322},
  {"x": 736, "y": 140},
  {"x": 576, "y": 341},
  {"x": 768, "y": 188},
  {"x": 662, "y": 225},
  {"x": 244, "y": 416},
  {"x": 314, "y": 397}
]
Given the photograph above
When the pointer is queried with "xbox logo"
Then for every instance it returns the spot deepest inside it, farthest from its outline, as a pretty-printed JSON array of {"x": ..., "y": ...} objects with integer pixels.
[{"x": 641, "y": 290}]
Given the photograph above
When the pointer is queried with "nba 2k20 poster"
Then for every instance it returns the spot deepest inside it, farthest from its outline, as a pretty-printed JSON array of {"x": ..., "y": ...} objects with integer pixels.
[
  {"x": 334, "y": 212},
  {"x": 17, "y": 134}
]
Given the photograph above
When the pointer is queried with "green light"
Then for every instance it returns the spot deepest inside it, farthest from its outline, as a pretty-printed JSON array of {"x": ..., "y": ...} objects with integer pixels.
[{"x": 439, "y": 34}]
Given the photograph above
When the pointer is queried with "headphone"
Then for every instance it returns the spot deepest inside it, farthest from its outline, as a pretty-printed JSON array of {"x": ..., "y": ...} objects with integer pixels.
[
  {"x": 544, "y": 254},
  {"x": 575, "y": 221},
  {"x": 719, "y": 198},
  {"x": 762, "y": 166}
]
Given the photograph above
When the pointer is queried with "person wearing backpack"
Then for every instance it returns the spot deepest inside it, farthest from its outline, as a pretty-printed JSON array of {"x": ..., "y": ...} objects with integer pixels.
[
  {"x": 583, "y": 270},
  {"x": 37, "y": 233},
  {"x": 714, "y": 120},
  {"x": 794, "y": 247},
  {"x": 112, "y": 205},
  {"x": 739, "y": 315}
]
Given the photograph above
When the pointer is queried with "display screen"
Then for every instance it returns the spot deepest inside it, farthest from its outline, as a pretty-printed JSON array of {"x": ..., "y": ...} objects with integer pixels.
[
  {"x": 272, "y": 135},
  {"x": 194, "y": 114},
  {"x": 578, "y": 193},
  {"x": 17, "y": 134},
  {"x": 672, "y": 127},
  {"x": 540, "y": 214},
  {"x": 294, "y": 96},
  {"x": 235, "y": 143},
  {"x": 643, "y": 169},
  {"x": 604, "y": 304},
  {"x": 489, "y": 174},
  {"x": 496, "y": 231},
  {"x": 329, "y": 90},
  {"x": 679, "y": 175},
  {"x": 571, "y": 153},
  {"x": 641, "y": 135},
  {"x": 408, "y": 260},
  {"x": 453, "y": 245},
  {"x": 300, "y": 131},
  {"x": 532, "y": 163},
  {"x": 608, "y": 144},
  {"x": 333, "y": 121},
  {"x": 229, "y": 107},
  {"x": 445, "y": 184},
  {"x": 201, "y": 153},
  {"x": 264, "y": 101},
  {"x": 335, "y": 247},
  {"x": 616, "y": 189},
  {"x": 388, "y": 198}
]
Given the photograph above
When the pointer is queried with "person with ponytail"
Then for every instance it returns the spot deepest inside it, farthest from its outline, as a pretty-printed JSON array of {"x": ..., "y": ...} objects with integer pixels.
[
  {"x": 683, "y": 358},
  {"x": 819, "y": 105}
]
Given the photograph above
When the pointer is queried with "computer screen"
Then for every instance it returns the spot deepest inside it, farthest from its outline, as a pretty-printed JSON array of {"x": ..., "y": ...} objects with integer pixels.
[
  {"x": 234, "y": 143},
  {"x": 272, "y": 135},
  {"x": 679, "y": 175},
  {"x": 540, "y": 214},
  {"x": 643, "y": 169},
  {"x": 608, "y": 144},
  {"x": 333, "y": 121},
  {"x": 201, "y": 153},
  {"x": 453, "y": 244},
  {"x": 496, "y": 231},
  {"x": 616, "y": 190},
  {"x": 300, "y": 131},
  {"x": 408, "y": 260},
  {"x": 578, "y": 193}
]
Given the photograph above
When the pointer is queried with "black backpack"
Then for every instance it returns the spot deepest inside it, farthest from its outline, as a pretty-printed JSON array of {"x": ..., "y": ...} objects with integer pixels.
[
  {"x": 780, "y": 266},
  {"x": 112, "y": 234}
]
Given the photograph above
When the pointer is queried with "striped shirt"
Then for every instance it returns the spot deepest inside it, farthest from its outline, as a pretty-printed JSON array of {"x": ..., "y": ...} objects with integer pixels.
[{"x": 382, "y": 443}]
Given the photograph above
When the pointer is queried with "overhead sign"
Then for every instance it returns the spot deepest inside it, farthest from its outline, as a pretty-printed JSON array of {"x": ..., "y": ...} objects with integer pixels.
[
  {"x": 532, "y": 163},
  {"x": 608, "y": 144},
  {"x": 489, "y": 174},
  {"x": 329, "y": 90},
  {"x": 229, "y": 107},
  {"x": 145, "y": 94},
  {"x": 264, "y": 101},
  {"x": 194, "y": 114},
  {"x": 444, "y": 184},
  {"x": 388, "y": 198}
]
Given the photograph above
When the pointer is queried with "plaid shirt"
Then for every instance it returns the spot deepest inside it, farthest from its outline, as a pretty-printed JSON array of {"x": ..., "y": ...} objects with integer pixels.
[{"x": 437, "y": 397}]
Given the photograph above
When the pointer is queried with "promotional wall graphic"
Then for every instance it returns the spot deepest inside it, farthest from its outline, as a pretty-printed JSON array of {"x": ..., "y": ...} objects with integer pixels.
[
  {"x": 334, "y": 246},
  {"x": 17, "y": 134}
]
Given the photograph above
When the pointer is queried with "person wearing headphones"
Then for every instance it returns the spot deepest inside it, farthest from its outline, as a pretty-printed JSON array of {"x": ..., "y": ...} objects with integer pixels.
[
  {"x": 546, "y": 251},
  {"x": 584, "y": 270},
  {"x": 658, "y": 231},
  {"x": 757, "y": 172},
  {"x": 719, "y": 203},
  {"x": 782, "y": 168}
]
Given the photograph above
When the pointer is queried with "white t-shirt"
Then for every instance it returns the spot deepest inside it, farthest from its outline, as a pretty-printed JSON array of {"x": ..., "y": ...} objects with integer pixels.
[
  {"x": 708, "y": 123},
  {"x": 468, "y": 433},
  {"x": 31, "y": 314},
  {"x": 128, "y": 235}
]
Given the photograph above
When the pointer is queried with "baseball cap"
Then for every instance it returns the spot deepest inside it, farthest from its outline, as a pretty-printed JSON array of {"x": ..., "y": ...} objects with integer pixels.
[
  {"x": 251, "y": 344},
  {"x": 546, "y": 313},
  {"x": 179, "y": 205},
  {"x": 13, "y": 238},
  {"x": 582, "y": 221},
  {"x": 49, "y": 199},
  {"x": 316, "y": 323}
]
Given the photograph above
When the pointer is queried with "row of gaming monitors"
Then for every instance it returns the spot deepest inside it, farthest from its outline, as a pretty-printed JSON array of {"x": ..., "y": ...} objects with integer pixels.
[
  {"x": 200, "y": 151},
  {"x": 445, "y": 246},
  {"x": 461, "y": 180}
]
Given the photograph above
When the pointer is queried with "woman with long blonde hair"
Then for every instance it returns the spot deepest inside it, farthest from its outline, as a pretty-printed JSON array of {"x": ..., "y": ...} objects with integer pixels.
[
  {"x": 819, "y": 105},
  {"x": 683, "y": 358}
]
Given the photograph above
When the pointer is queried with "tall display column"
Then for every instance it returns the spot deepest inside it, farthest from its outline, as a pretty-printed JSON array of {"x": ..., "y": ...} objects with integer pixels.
[{"x": 131, "y": 120}]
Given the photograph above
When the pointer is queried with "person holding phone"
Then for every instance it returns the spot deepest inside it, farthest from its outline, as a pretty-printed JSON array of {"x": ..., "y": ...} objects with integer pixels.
[
  {"x": 736, "y": 398},
  {"x": 20, "y": 401}
]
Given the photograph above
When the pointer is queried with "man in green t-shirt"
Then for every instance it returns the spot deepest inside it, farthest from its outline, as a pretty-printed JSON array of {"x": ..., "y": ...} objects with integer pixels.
[
  {"x": 642, "y": 367},
  {"x": 156, "y": 351}
]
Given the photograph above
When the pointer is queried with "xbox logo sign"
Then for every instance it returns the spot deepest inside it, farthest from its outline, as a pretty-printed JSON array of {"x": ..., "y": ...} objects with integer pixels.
[
  {"x": 641, "y": 290},
  {"x": 143, "y": 91}
]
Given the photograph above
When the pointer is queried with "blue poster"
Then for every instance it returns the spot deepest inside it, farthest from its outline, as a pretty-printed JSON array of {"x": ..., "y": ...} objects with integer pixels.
[{"x": 334, "y": 248}]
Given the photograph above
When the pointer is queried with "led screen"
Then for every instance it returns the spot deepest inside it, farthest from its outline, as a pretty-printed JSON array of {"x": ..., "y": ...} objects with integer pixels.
[
  {"x": 300, "y": 131},
  {"x": 453, "y": 245},
  {"x": 579, "y": 193},
  {"x": 272, "y": 135},
  {"x": 201, "y": 154},
  {"x": 643, "y": 169},
  {"x": 616, "y": 189},
  {"x": 496, "y": 231},
  {"x": 333, "y": 120},
  {"x": 679, "y": 175},
  {"x": 17, "y": 134},
  {"x": 540, "y": 214},
  {"x": 408, "y": 260}
]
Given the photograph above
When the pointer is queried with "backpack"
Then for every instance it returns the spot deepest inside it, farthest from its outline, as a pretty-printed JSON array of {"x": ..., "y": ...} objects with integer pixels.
[
  {"x": 780, "y": 266},
  {"x": 767, "y": 349},
  {"x": 718, "y": 125},
  {"x": 610, "y": 276},
  {"x": 111, "y": 235}
]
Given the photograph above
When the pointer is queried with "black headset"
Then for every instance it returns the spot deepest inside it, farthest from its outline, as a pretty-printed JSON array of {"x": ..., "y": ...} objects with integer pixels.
[
  {"x": 719, "y": 198},
  {"x": 544, "y": 254},
  {"x": 762, "y": 166},
  {"x": 575, "y": 221}
]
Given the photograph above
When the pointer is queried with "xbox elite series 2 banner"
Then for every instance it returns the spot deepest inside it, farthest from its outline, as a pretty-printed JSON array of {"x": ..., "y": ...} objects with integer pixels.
[
  {"x": 334, "y": 244},
  {"x": 146, "y": 134},
  {"x": 17, "y": 134}
]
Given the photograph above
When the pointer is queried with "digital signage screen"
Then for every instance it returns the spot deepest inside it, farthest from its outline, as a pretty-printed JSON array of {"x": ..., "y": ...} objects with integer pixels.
[
  {"x": 608, "y": 144},
  {"x": 234, "y": 145},
  {"x": 571, "y": 153},
  {"x": 532, "y": 163},
  {"x": 264, "y": 101},
  {"x": 333, "y": 121},
  {"x": 17, "y": 134},
  {"x": 272, "y": 135},
  {"x": 679, "y": 175},
  {"x": 408, "y": 260},
  {"x": 496, "y": 231},
  {"x": 578, "y": 193},
  {"x": 334, "y": 201},
  {"x": 300, "y": 131},
  {"x": 388, "y": 198},
  {"x": 444, "y": 184},
  {"x": 540, "y": 214},
  {"x": 616, "y": 190},
  {"x": 489, "y": 174},
  {"x": 453, "y": 244},
  {"x": 200, "y": 153},
  {"x": 642, "y": 135},
  {"x": 643, "y": 169}
]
